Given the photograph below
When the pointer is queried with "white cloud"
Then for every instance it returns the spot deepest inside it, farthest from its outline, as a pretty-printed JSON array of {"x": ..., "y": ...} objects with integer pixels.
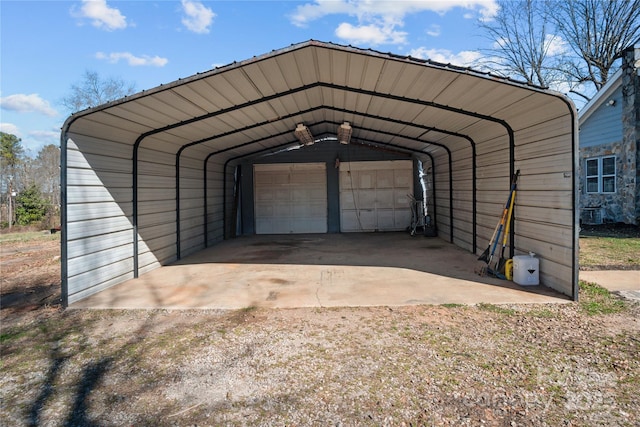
[
  {"x": 465, "y": 58},
  {"x": 555, "y": 45},
  {"x": 102, "y": 15},
  {"x": 434, "y": 30},
  {"x": 377, "y": 21},
  {"x": 312, "y": 11},
  {"x": 45, "y": 135},
  {"x": 370, "y": 34},
  {"x": 132, "y": 60},
  {"x": 388, "y": 10},
  {"x": 10, "y": 128},
  {"x": 27, "y": 104},
  {"x": 198, "y": 17}
]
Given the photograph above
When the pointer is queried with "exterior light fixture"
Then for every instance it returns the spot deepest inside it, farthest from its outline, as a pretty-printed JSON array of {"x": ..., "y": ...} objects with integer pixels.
[
  {"x": 304, "y": 134},
  {"x": 611, "y": 103},
  {"x": 344, "y": 133}
]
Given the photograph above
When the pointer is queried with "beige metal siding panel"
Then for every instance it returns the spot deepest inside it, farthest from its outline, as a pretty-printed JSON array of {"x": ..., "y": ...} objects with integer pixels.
[
  {"x": 561, "y": 255},
  {"x": 158, "y": 244},
  {"x": 95, "y": 260},
  {"x": 78, "y": 292},
  {"x": 550, "y": 146},
  {"x": 84, "y": 229},
  {"x": 557, "y": 126},
  {"x": 160, "y": 230},
  {"x": 105, "y": 132},
  {"x": 98, "y": 146},
  {"x": 556, "y": 276},
  {"x": 559, "y": 163},
  {"x": 148, "y": 261},
  {"x": 158, "y": 218},
  {"x": 87, "y": 279},
  {"x": 551, "y": 235},
  {"x": 548, "y": 199},
  {"x": 102, "y": 210},
  {"x": 78, "y": 160},
  {"x": 544, "y": 214},
  {"x": 540, "y": 112},
  {"x": 84, "y": 194},
  {"x": 155, "y": 169},
  {"x": 155, "y": 156},
  {"x": 88, "y": 177},
  {"x": 77, "y": 248}
]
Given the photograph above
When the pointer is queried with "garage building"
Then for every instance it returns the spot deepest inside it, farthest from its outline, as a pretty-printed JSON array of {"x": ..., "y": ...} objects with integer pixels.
[{"x": 315, "y": 138}]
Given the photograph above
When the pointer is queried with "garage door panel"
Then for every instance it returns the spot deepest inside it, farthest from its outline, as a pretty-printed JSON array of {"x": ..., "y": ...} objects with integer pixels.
[
  {"x": 380, "y": 191},
  {"x": 264, "y": 195},
  {"x": 366, "y": 179},
  {"x": 349, "y": 220},
  {"x": 385, "y": 198},
  {"x": 346, "y": 200},
  {"x": 282, "y": 195},
  {"x": 401, "y": 199},
  {"x": 290, "y": 198},
  {"x": 385, "y": 179},
  {"x": 368, "y": 219},
  {"x": 386, "y": 219},
  {"x": 266, "y": 210},
  {"x": 366, "y": 199},
  {"x": 402, "y": 178},
  {"x": 283, "y": 209},
  {"x": 402, "y": 219}
]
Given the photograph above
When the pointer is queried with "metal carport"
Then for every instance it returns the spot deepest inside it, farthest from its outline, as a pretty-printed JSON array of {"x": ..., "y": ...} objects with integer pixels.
[{"x": 149, "y": 179}]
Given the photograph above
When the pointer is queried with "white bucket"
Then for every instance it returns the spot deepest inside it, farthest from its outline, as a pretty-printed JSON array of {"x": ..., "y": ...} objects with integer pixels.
[{"x": 526, "y": 270}]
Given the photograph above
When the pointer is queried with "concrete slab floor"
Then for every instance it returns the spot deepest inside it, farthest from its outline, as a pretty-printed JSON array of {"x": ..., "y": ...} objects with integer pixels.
[{"x": 319, "y": 270}]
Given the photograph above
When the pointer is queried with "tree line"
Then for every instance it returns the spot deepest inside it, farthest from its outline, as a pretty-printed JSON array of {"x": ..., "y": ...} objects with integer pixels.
[{"x": 29, "y": 187}]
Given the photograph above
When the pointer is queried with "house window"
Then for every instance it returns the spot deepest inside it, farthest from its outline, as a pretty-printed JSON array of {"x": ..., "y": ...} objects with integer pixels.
[{"x": 601, "y": 175}]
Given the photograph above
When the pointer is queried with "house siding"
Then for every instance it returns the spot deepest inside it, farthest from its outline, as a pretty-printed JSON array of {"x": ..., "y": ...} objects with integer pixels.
[{"x": 604, "y": 126}]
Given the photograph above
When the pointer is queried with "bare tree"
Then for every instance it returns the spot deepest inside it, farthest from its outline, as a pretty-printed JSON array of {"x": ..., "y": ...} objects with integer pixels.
[
  {"x": 94, "y": 90},
  {"x": 597, "y": 31},
  {"x": 523, "y": 45},
  {"x": 47, "y": 173},
  {"x": 551, "y": 42},
  {"x": 11, "y": 157}
]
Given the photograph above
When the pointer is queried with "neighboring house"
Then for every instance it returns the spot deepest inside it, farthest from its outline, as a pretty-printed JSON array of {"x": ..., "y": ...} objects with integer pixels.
[{"x": 609, "y": 148}]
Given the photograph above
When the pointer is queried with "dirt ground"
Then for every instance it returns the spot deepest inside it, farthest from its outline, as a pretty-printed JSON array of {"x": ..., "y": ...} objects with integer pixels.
[
  {"x": 574, "y": 364},
  {"x": 30, "y": 275}
]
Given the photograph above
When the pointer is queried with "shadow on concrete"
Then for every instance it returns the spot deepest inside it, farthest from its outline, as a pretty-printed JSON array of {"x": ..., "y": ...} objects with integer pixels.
[{"x": 317, "y": 270}]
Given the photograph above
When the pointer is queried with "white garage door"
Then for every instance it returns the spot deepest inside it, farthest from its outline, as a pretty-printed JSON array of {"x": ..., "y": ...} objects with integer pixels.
[
  {"x": 373, "y": 195},
  {"x": 290, "y": 198}
]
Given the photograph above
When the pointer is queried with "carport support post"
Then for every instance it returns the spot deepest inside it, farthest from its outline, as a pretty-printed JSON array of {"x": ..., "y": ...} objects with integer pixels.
[
  {"x": 64, "y": 285},
  {"x": 512, "y": 171},
  {"x": 178, "y": 201}
]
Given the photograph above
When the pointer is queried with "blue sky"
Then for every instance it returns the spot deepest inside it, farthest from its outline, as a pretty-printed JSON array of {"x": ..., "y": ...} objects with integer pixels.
[{"x": 46, "y": 46}]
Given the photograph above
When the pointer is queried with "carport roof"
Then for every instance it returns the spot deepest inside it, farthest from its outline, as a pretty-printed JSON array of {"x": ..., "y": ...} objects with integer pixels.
[{"x": 253, "y": 106}]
